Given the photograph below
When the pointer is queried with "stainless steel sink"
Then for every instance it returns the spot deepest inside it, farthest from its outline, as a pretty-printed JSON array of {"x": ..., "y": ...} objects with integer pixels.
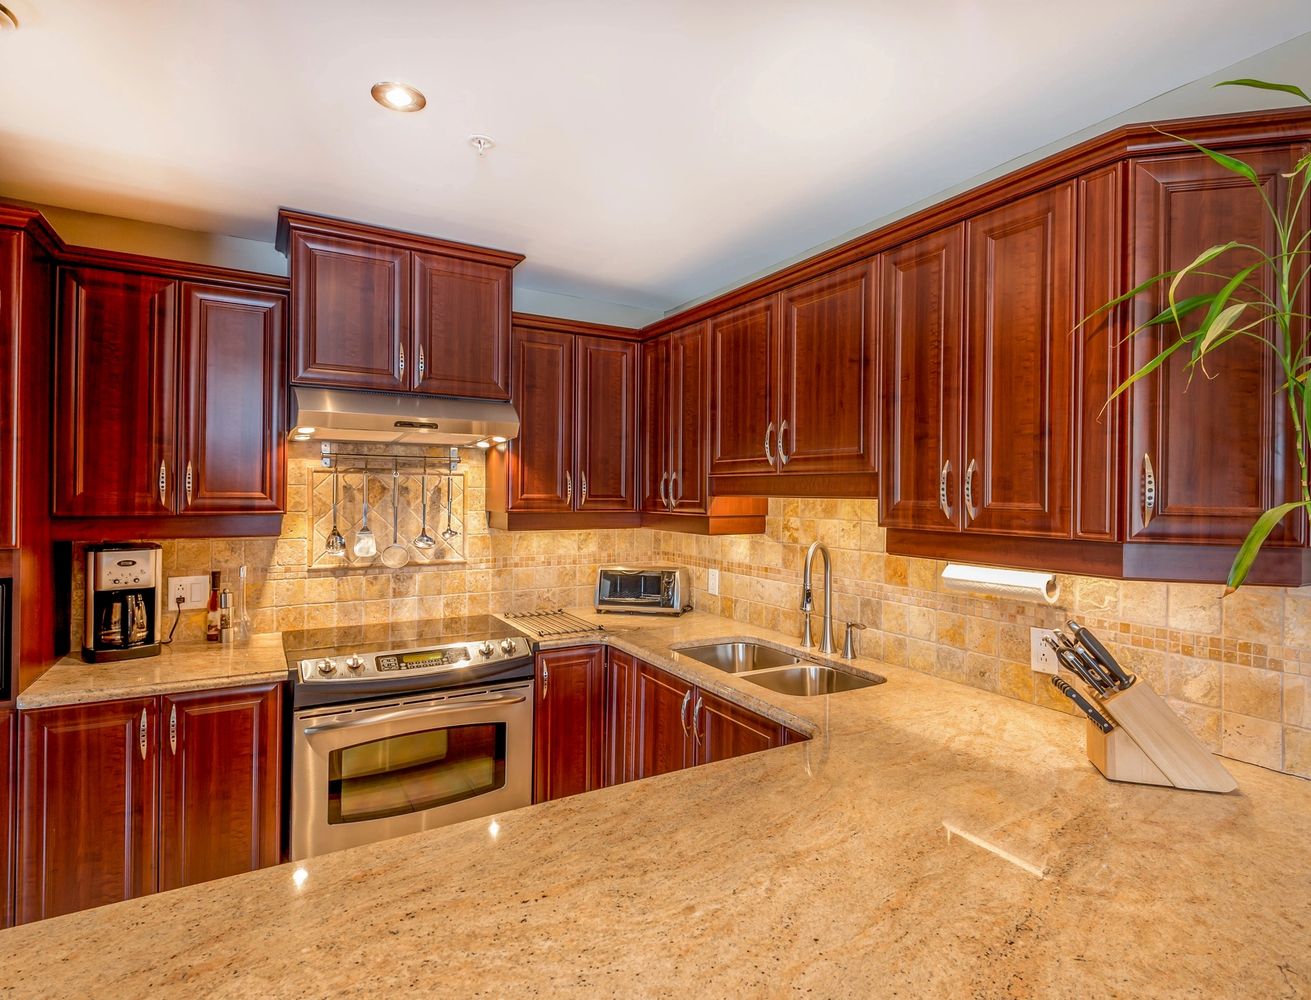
[
  {"x": 810, "y": 679},
  {"x": 739, "y": 657}
]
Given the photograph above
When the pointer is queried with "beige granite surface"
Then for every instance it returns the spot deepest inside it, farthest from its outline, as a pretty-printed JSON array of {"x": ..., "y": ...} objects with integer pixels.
[
  {"x": 930, "y": 841},
  {"x": 186, "y": 666}
]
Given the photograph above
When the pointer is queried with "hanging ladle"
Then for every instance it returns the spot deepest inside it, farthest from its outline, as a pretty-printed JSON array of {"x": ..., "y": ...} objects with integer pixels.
[
  {"x": 395, "y": 555},
  {"x": 335, "y": 546},
  {"x": 424, "y": 540}
]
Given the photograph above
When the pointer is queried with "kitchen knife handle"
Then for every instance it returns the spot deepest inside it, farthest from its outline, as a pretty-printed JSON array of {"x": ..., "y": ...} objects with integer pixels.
[
  {"x": 1149, "y": 490},
  {"x": 1101, "y": 654},
  {"x": 1069, "y": 659},
  {"x": 1097, "y": 718},
  {"x": 943, "y": 501}
]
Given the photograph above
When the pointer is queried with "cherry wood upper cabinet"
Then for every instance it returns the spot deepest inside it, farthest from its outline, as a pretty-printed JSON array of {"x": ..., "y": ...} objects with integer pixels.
[
  {"x": 1019, "y": 352},
  {"x": 655, "y": 416},
  {"x": 349, "y": 312},
  {"x": 221, "y": 769},
  {"x": 662, "y": 713},
  {"x": 115, "y": 393},
  {"x": 744, "y": 389},
  {"x": 11, "y": 297},
  {"x": 724, "y": 730},
  {"x": 828, "y": 369},
  {"x": 1217, "y": 449},
  {"x": 231, "y": 458},
  {"x": 606, "y": 425},
  {"x": 461, "y": 327},
  {"x": 921, "y": 318},
  {"x": 541, "y": 458},
  {"x": 88, "y": 815},
  {"x": 689, "y": 423},
  {"x": 569, "y": 739}
]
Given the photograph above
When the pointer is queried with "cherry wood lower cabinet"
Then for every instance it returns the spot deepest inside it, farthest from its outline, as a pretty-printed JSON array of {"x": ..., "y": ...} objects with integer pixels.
[
  {"x": 119, "y": 799},
  {"x": 7, "y": 718},
  {"x": 568, "y": 731}
]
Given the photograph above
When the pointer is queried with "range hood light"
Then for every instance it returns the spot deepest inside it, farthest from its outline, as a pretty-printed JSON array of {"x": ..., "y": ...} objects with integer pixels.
[
  {"x": 497, "y": 439},
  {"x": 307, "y": 431},
  {"x": 484, "y": 443}
]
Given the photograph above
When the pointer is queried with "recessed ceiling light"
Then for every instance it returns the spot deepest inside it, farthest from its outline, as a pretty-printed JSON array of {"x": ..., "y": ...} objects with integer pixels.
[
  {"x": 482, "y": 143},
  {"x": 398, "y": 96},
  {"x": 7, "y": 18}
]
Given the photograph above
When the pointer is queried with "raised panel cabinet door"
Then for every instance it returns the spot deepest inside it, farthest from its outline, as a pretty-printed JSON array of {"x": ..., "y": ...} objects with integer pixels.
[
  {"x": 568, "y": 728},
  {"x": 88, "y": 810},
  {"x": 620, "y": 727},
  {"x": 662, "y": 714},
  {"x": 115, "y": 394},
  {"x": 1019, "y": 363},
  {"x": 689, "y": 419},
  {"x": 349, "y": 313},
  {"x": 11, "y": 292},
  {"x": 921, "y": 322},
  {"x": 744, "y": 407},
  {"x": 8, "y": 721},
  {"x": 461, "y": 325},
  {"x": 829, "y": 375},
  {"x": 221, "y": 769},
  {"x": 606, "y": 425},
  {"x": 723, "y": 730},
  {"x": 231, "y": 459},
  {"x": 540, "y": 459},
  {"x": 654, "y": 418},
  {"x": 1218, "y": 447}
]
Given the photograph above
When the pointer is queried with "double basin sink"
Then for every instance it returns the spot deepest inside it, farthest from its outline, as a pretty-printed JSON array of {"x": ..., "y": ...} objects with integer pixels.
[{"x": 776, "y": 669}]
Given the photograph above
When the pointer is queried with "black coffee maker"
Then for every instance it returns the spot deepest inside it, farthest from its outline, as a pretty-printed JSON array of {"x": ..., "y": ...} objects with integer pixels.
[{"x": 123, "y": 599}]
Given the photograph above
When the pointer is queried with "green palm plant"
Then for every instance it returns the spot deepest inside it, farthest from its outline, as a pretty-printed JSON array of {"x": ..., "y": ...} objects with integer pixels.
[{"x": 1240, "y": 307}]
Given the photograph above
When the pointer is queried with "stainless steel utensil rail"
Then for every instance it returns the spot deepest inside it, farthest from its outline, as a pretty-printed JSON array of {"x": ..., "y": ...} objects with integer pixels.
[{"x": 553, "y": 624}]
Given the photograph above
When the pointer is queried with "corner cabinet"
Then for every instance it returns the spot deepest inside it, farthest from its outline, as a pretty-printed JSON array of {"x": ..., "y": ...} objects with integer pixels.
[
  {"x": 168, "y": 398},
  {"x": 120, "y": 799},
  {"x": 384, "y": 310}
]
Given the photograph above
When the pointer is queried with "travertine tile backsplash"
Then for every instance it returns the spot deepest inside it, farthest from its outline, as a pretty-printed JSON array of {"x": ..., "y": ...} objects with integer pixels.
[{"x": 1238, "y": 669}]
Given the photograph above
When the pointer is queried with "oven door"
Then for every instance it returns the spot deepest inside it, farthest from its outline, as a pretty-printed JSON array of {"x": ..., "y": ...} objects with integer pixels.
[{"x": 369, "y": 772}]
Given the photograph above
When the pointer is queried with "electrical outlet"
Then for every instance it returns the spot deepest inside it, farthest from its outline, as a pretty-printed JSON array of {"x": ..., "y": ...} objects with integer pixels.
[
  {"x": 194, "y": 591},
  {"x": 713, "y": 581},
  {"x": 1042, "y": 658}
]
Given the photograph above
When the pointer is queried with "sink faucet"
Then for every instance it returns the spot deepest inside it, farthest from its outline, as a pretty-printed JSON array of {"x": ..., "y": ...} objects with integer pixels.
[{"x": 808, "y": 599}]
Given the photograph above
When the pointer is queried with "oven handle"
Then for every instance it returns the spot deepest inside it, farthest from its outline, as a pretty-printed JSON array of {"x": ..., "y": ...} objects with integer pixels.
[{"x": 401, "y": 715}]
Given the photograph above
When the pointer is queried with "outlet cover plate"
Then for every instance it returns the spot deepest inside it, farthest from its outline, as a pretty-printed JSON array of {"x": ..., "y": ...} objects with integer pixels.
[
  {"x": 713, "y": 581},
  {"x": 1041, "y": 656},
  {"x": 194, "y": 591}
]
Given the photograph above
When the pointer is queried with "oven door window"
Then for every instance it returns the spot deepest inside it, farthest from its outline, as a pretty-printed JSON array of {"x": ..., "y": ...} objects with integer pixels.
[{"x": 413, "y": 772}]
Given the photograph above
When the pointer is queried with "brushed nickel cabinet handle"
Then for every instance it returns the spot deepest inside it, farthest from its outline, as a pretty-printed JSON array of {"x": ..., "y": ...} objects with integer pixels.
[
  {"x": 769, "y": 453},
  {"x": 546, "y": 680},
  {"x": 423, "y": 363},
  {"x": 674, "y": 496},
  {"x": 582, "y": 496},
  {"x": 682, "y": 712},
  {"x": 189, "y": 480},
  {"x": 402, "y": 359},
  {"x": 664, "y": 498},
  {"x": 163, "y": 483},
  {"x": 971, "y": 509},
  {"x": 944, "y": 501},
  {"x": 173, "y": 729},
  {"x": 1149, "y": 490},
  {"x": 141, "y": 735},
  {"x": 783, "y": 456},
  {"x": 568, "y": 487},
  {"x": 696, "y": 720}
]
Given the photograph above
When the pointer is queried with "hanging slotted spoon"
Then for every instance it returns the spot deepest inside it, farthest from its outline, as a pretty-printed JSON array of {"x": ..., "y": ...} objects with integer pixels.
[
  {"x": 335, "y": 546},
  {"x": 424, "y": 540},
  {"x": 395, "y": 555},
  {"x": 366, "y": 546}
]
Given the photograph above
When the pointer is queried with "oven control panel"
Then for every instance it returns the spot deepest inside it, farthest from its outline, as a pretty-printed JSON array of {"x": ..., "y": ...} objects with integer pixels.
[{"x": 450, "y": 657}]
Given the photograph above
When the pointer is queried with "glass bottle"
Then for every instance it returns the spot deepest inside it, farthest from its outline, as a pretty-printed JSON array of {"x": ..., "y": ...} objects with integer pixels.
[{"x": 240, "y": 619}]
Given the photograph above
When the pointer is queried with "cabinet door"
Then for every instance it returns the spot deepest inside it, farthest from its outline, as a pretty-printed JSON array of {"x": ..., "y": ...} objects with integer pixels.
[
  {"x": 569, "y": 754},
  {"x": 662, "y": 710},
  {"x": 231, "y": 458},
  {"x": 655, "y": 418},
  {"x": 7, "y": 780},
  {"x": 606, "y": 425},
  {"x": 220, "y": 780},
  {"x": 1019, "y": 351},
  {"x": 541, "y": 458},
  {"x": 829, "y": 375},
  {"x": 743, "y": 394},
  {"x": 1220, "y": 445},
  {"x": 461, "y": 321},
  {"x": 11, "y": 291},
  {"x": 725, "y": 730},
  {"x": 689, "y": 405},
  {"x": 115, "y": 394},
  {"x": 920, "y": 316},
  {"x": 620, "y": 727},
  {"x": 88, "y": 811},
  {"x": 349, "y": 313}
]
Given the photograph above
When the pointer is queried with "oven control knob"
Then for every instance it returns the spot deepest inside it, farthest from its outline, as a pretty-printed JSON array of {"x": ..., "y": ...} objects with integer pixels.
[
  {"x": 487, "y": 649},
  {"x": 507, "y": 646},
  {"x": 327, "y": 667},
  {"x": 354, "y": 663}
]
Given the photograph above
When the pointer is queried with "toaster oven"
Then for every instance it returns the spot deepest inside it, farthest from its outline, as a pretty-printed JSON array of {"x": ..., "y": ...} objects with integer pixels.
[{"x": 653, "y": 590}]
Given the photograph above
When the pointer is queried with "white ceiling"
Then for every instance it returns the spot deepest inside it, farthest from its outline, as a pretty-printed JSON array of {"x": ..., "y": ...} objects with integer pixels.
[{"x": 647, "y": 153}]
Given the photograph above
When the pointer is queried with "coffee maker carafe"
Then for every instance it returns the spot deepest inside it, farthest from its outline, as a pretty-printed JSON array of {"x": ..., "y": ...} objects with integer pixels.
[{"x": 123, "y": 600}]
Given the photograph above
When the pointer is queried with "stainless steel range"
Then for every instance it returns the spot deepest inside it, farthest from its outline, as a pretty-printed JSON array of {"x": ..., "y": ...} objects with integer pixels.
[{"x": 406, "y": 727}]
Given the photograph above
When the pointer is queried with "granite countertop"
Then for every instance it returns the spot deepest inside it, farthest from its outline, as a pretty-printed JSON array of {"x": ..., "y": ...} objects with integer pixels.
[
  {"x": 187, "y": 666},
  {"x": 931, "y": 840}
]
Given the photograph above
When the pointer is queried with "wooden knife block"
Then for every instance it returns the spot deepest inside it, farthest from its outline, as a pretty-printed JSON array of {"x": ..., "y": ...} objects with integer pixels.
[{"x": 1150, "y": 745}]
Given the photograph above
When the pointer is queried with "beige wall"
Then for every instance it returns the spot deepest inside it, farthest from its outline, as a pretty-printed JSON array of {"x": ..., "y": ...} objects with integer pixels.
[{"x": 1238, "y": 669}]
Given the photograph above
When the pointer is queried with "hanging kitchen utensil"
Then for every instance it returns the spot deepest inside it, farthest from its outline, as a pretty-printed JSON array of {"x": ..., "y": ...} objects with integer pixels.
[
  {"x": 395, "y": 555},
  {"x": 448, "y": 532},
  {"x": 366, "y": 546},
  {"x": 424, "y": 540},
  {"x": 335, "y": 546}
]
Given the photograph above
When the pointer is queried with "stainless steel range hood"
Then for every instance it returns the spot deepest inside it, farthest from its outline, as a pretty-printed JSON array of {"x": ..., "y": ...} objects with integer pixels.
[{"x": 393, "y": 418}]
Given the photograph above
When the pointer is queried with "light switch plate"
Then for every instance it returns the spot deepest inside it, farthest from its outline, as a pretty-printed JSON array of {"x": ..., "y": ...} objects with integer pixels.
[
  {"x": 713, "y": 581},
  {"x": 1041, "y": 656},
  {"x": 193, "y": 589}
]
